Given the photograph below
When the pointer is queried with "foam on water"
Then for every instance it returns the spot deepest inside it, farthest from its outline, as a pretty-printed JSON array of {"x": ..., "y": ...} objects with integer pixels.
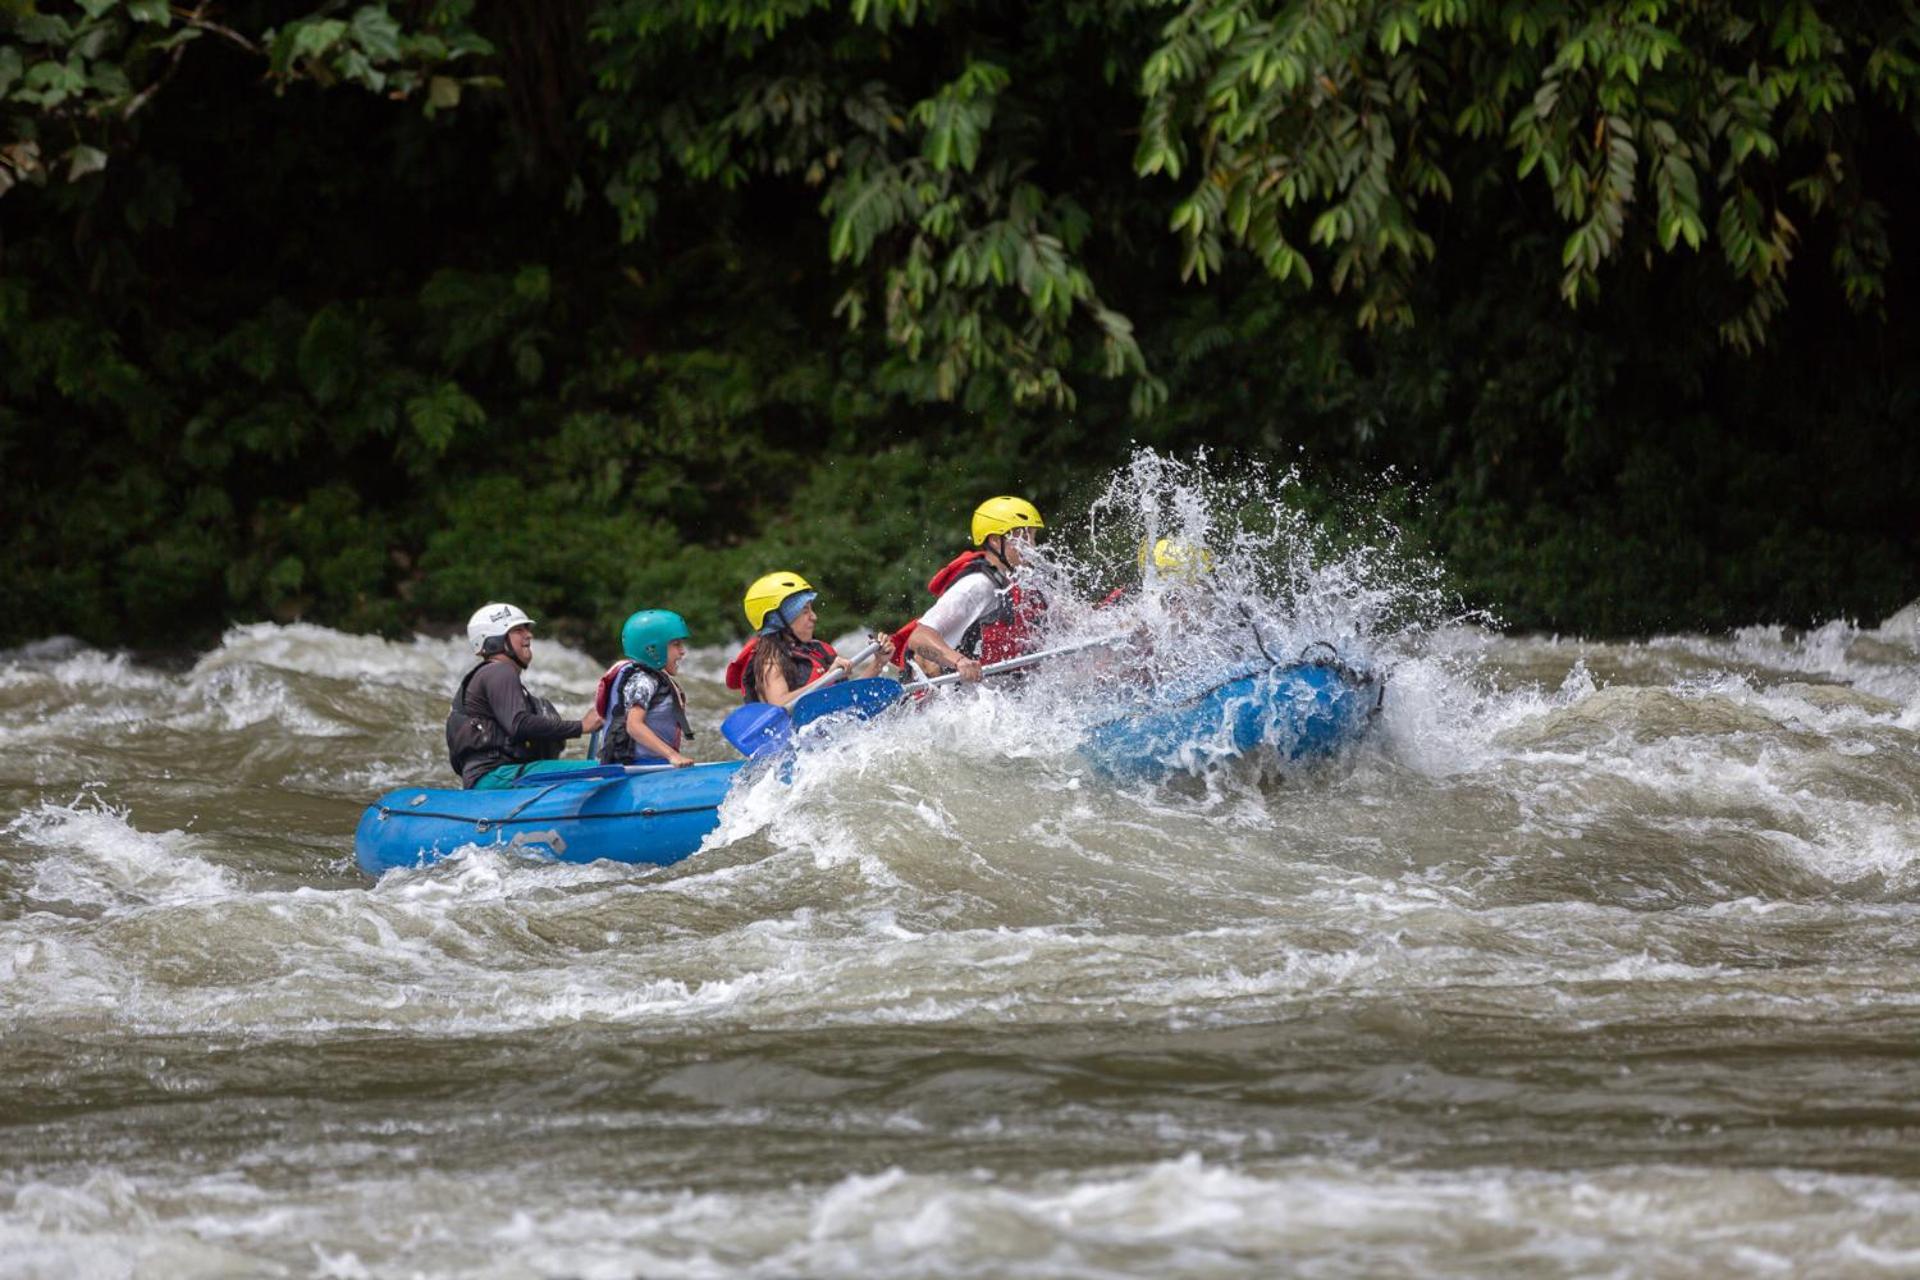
[
  {"x": 103, "y": 861},
  {"x": 1593, "y": 958},
  {"x": 1183, "y": 1217}
]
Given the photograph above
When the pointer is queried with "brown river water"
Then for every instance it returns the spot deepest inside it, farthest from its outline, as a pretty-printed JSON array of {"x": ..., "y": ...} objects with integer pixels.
[{"x": 1592, "y": 960}]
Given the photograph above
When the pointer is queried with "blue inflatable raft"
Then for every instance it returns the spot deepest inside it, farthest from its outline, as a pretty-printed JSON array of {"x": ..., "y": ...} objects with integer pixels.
[
  {"x": 657, "y": 817},
  {"x": 1289, "y": 713},
  {"x": 1293, "y": 711}
]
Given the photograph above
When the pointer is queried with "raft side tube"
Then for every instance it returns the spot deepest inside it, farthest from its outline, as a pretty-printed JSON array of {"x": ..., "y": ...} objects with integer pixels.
[
  {"x": 652, "y": 818},
  {"x": 1300, "y": 711}
]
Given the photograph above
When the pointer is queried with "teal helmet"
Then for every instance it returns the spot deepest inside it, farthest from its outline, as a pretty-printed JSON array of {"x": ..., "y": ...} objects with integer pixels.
[{"x": 645, "y": 636}]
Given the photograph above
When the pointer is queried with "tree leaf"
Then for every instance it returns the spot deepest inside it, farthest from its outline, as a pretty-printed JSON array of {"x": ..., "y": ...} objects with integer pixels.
[
  {"x": 313, "y": 37},
  {"x": 376, "y": 32},
  {"x": 437, "y": 415},
  {"x": 83, "y": 160}
]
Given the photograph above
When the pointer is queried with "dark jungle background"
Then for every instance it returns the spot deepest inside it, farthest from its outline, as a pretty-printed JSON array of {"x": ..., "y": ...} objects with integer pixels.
[{"x": 366, "y": 313}]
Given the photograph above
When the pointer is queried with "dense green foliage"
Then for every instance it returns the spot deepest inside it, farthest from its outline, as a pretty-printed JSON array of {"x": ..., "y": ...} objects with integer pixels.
[{"x": 364, "y": 312}]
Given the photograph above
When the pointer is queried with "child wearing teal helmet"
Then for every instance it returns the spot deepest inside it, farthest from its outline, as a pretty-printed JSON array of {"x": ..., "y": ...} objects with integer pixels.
[{"x": 646, "y": 709}]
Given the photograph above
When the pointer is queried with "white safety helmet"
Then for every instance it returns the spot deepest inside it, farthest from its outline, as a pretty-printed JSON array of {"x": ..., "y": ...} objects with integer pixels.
[{"x": 492, "y": 622}]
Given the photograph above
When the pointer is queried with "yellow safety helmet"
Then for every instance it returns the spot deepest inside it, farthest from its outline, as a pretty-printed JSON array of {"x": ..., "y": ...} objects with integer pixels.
[
  {"x": 998, "y": 515},
  {"x": 767, "y": 594},
  {"x": 1177, "y": 560}
]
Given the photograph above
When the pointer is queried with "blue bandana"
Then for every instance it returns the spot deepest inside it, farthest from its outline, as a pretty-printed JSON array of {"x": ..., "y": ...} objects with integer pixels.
[{"x": 790, "y": 608}]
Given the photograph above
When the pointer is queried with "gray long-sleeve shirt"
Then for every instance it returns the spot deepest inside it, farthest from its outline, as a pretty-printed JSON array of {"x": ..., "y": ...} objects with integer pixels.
[{"x": 496, "y": 697}]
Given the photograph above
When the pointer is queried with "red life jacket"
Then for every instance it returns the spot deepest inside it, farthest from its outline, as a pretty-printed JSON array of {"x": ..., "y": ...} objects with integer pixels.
[
  {"x": 603, "y": 692},
  {"x": 802, "y": 662},
  {"x": 1004, "y": 631}
]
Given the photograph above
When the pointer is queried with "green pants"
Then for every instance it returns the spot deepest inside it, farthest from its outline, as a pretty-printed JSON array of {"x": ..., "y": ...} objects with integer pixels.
[{"x": 508, "y": 774}]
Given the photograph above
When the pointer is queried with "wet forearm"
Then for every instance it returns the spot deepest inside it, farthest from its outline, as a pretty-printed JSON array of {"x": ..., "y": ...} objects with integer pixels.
[{"x": 925, "y": 642}]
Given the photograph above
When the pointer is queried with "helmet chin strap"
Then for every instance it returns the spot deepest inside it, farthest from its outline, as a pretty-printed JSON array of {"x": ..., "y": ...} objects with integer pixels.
[
  {"x": 505, "y": 646},
  {"x": 998, "y": 552}
]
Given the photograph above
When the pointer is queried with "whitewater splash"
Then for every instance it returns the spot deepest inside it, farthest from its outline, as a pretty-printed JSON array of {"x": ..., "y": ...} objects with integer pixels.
[
  {"x": 1597, "y": 957},
  {"x": 1223, "y": 569},
  {"x": 1194, "y": 579}
]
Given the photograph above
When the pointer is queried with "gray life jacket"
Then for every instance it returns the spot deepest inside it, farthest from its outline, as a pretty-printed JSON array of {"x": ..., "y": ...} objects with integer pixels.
[{"x": 665, "y": 714}]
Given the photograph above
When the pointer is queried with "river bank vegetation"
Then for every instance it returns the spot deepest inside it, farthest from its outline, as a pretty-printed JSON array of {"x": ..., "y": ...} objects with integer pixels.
[{"x": 364, "y": 313}]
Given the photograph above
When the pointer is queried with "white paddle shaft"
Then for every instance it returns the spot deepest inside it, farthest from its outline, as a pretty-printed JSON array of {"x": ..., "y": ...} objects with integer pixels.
[
  {"x": 1015, "y": 664},
  {"x": 852, "y": 662}
]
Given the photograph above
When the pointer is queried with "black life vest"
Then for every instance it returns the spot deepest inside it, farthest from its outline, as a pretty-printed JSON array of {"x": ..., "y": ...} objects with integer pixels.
[
  {"x": 801, "y": 662},
  {"x": 665, "y": 713},
  {"x": 472, "y": 733}
]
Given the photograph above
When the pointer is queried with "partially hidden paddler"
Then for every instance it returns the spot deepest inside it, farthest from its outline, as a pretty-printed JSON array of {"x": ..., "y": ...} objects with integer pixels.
[
  {"x": 1180, "y": 563},
  {"x": 646, "y": 709},
  {"x": 1181, "y": 567},
  {"x": 782, "y": 659},
  {"x": 497, "y": 732},
  {"x": 980, "y": 614}
]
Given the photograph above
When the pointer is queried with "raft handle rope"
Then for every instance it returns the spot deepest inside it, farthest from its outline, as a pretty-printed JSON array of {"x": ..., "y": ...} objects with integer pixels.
[
  {"x": 541, "y": 794},
  {"x": 1331, "y": 660},
  {"x": 1258, "y": 639}
]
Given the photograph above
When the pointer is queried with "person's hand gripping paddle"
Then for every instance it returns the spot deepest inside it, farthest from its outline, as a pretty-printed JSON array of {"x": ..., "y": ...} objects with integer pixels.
[
  {"x": 868, "y": 698},
  {"x": 761, "y": 728}
]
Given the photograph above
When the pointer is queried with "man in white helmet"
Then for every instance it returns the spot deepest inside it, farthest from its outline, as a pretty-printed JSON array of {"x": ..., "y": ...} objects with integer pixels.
[{"x": 496, "y": 730}]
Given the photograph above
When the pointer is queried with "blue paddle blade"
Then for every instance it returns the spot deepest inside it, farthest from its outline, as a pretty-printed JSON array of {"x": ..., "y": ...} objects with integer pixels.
[
  {"x": 864, "y": 698},
  {"x": 757, "y": 729}
]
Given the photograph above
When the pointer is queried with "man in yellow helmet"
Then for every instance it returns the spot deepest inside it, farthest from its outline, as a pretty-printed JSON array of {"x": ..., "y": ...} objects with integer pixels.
[{"x": 979, "y": 614}]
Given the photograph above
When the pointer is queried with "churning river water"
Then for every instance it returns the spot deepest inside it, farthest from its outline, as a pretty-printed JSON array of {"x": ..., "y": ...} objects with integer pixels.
[{"x": 1594, "y": 960}]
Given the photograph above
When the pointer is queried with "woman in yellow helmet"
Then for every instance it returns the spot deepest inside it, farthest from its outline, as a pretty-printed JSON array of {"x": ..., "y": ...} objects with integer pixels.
[
  {"x": 979, "y": 614},
  {"x": 782, "y": 659}
]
